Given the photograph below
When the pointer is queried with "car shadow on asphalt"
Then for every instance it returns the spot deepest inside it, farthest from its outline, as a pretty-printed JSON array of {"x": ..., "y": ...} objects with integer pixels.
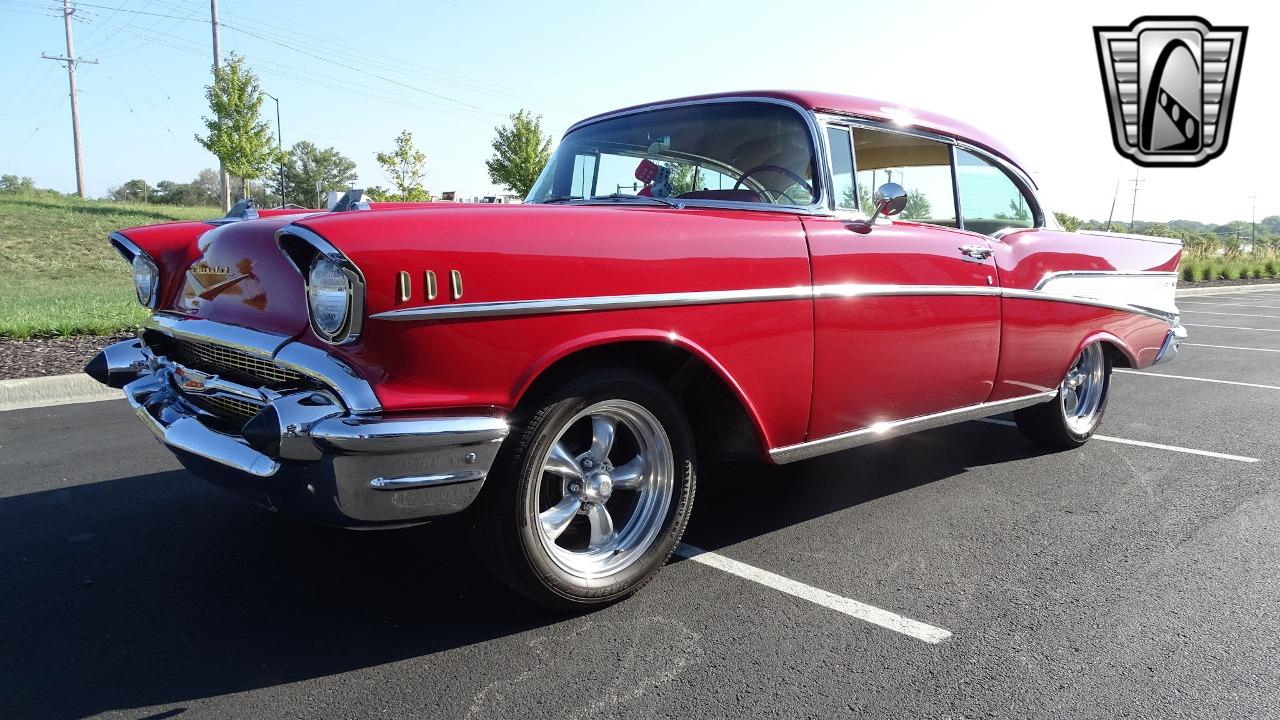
[{"x": 158, "y": 589}]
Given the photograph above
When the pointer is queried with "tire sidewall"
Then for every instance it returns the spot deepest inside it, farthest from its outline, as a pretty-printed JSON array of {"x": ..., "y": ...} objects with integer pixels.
[{"x": 654, "y": 397}]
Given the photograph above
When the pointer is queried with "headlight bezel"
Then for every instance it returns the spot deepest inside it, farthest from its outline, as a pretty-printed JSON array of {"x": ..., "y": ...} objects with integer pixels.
[
  {"x": 141, "y": 261},
  {"x": 348, "y": 330}
]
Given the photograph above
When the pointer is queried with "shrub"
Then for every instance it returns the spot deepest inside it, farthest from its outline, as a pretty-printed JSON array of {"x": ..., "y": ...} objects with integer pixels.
[{"x": 1233, "y": 271}]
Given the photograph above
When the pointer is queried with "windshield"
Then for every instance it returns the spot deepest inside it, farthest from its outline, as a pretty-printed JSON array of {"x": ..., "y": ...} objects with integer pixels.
[{"x": 752, "y": 152}]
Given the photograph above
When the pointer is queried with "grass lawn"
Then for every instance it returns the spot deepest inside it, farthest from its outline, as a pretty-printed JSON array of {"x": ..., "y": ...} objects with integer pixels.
[{"x": 58, "y": 273}]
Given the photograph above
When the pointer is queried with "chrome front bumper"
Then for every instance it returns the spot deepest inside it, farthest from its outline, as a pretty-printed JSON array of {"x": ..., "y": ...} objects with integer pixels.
[{"x": 307, "y": 453}]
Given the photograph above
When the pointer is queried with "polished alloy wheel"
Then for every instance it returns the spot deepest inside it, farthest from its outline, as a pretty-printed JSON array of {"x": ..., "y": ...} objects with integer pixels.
[
  {"x": 604, "y": 489},
  {"x": 1083, "y": 390}
]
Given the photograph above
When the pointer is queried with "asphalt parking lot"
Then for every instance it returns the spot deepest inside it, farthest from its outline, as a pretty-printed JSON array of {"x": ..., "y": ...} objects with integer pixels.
[{"x": 1136, "y": 577}]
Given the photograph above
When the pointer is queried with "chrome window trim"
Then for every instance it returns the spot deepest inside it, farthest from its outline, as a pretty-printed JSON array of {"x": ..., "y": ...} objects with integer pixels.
[
  {"x": 1020, "y": 178},
  {"x": 822, "y": 182},
  {"x": 883, "y": 430},
  {"x": 351, "y": 327},
  {"x": 356, "y": 393}
]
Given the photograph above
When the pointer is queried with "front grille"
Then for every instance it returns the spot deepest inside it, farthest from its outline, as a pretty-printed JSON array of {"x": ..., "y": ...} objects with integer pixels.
[
  {"x": 233, "y": 364},
  {"x": 225, "y": 407}
]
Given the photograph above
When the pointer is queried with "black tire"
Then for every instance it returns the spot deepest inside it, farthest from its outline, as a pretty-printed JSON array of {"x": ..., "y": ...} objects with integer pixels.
[
  {"x": 1047, "y": 424},
  {"x": 502, "y": 530}
]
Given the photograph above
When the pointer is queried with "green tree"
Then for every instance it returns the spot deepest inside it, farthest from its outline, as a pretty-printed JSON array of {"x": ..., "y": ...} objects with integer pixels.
[
  {"x": 132, "y": 191},
  {"x": 307, "y": 165},
  {"x": 918, "y": 206},
  {"x": 405, "y": 167},
  {"x": 681, "y": 179},
  {"x": 520, "y": 151},
  {"x": 1018, "y": 211},
  {"x": 237, "y": 134},
  {"x": 1070, "y": 223},
  {"x": 13, "y": 185}
]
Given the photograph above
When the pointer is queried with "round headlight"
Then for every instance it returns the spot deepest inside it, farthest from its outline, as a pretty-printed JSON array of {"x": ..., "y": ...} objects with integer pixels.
[
  {"x": 145, "y": 279},
  {"x": 329, "y": 294}
]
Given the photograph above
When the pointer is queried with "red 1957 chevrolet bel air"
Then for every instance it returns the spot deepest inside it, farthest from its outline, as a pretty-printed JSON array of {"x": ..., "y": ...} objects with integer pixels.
[{"x": 770, "y": 275}]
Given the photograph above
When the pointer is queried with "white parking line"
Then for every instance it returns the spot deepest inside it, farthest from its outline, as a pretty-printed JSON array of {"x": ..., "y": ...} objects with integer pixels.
[
  {"x": 853, "y": 608},
  {"x": 1143, "y": 443},
  {"x": 1229, "y": 304},
  {"x": 1229, "y": 347},
  {"x": 1197, "y": 379},
  {"x": 1210, "y": 312},
  {"x": 1231, "y": 327}
]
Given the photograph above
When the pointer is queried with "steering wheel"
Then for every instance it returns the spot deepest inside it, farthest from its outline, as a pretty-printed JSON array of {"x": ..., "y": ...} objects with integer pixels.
[{"x": 778, "y": 169}]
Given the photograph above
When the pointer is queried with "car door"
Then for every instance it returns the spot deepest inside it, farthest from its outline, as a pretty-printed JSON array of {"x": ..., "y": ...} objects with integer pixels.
[{"x": 906, "y": 316}]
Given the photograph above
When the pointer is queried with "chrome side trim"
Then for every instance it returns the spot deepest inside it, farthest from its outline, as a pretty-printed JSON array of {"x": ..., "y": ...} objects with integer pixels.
[
  {"x": 883, "y": 430},
  {"x": 1051, "y": 276},
  {"x": 392, "y": 435},
  {"x": 1132, "y": 236},
  {"x": 603, "y": 302},
  {"x": 421, "y": 481},
  {"x": 513, "y": 308},
  {"x": 854, "y": 290},
  {"x": 1166, "y": 316}
]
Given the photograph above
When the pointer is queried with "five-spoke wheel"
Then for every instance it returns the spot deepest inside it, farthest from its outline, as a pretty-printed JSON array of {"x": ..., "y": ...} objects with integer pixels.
[
  {"x": 593, "y": 495},
  {"x": 1071, "y": 419}
]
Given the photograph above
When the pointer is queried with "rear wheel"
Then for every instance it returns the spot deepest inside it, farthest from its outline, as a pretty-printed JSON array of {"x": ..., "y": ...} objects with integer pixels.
[
  {"x": 1073, "y": 416},
  {"x": 591, "y": 498}
]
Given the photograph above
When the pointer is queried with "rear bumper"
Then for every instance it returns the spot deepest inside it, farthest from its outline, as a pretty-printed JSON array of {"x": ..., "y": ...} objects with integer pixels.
[
  {"x": 1169, "y": 348},
  {"x": 305, "y": 453}
]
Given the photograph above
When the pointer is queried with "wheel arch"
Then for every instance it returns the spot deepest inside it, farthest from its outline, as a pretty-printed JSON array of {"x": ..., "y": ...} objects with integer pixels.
[
  {"x": 704, "y": 387},
  {"x": 1117, "y": 350}
]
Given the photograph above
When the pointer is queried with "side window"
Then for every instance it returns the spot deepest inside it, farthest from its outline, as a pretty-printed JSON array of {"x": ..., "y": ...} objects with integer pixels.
[
  {"x": 841, "y": 148},
  {"x": 921, "y": 166},
  {"x": 989, "y": 199}
]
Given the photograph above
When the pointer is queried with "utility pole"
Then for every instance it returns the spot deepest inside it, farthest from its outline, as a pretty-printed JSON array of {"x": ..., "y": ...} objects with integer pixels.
[
  {"x": 217, "y": 64},
  {"x": 72, "y": 61},
  {"x": 1253, "y": 221},
  {"x": 1133, "y": 209},
  {"x": 1114, "y": 195},
  {"x": 279, "y": 144}
]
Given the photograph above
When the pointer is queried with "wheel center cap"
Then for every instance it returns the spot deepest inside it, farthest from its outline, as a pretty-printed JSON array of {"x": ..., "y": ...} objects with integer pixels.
[{"x": 597, "y": 487}]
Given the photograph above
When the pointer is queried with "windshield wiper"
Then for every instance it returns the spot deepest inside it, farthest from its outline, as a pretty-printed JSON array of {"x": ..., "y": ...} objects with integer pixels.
[
  {"x": 616, "y": 197},
  {"x": 557, "y": 199}
]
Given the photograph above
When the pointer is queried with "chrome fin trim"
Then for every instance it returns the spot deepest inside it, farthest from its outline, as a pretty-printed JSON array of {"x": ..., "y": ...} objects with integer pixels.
[{"x": 881, "y": 431}]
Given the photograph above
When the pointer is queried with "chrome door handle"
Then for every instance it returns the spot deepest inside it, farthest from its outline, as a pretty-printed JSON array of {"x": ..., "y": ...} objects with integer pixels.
[{"x": 977, "y": 252}]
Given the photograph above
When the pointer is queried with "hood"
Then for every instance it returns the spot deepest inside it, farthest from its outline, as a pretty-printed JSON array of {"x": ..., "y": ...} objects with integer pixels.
[{"x": 242, "y": 278}]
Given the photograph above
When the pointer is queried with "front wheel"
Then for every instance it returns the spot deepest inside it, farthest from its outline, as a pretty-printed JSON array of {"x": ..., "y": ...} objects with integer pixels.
[
  {"x": 591, "y": 493},
  {"x": 1072, "y": 417}
]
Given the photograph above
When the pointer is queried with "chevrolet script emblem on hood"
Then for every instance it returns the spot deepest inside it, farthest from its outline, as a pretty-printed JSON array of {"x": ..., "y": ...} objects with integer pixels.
[
  {"x": 207, "y": 281},
  {"x": 1171, "y": 85}
]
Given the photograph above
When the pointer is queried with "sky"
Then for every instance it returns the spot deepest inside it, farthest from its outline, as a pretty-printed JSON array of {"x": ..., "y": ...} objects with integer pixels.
[{"x": 353, "y": 75}]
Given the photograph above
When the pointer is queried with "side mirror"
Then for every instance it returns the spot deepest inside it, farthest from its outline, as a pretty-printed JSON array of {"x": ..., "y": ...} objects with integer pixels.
[{"x": 889, "y": 200}]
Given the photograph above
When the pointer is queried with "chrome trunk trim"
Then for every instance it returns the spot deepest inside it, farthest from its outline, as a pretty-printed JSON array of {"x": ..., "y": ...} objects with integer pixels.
[{"x": 881, "y": 431}]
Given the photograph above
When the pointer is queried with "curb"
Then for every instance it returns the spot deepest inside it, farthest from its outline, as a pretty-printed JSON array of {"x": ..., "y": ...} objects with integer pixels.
[
  {"x": 1227, "y": 289},
  {"x": 53, "y": 390}
]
